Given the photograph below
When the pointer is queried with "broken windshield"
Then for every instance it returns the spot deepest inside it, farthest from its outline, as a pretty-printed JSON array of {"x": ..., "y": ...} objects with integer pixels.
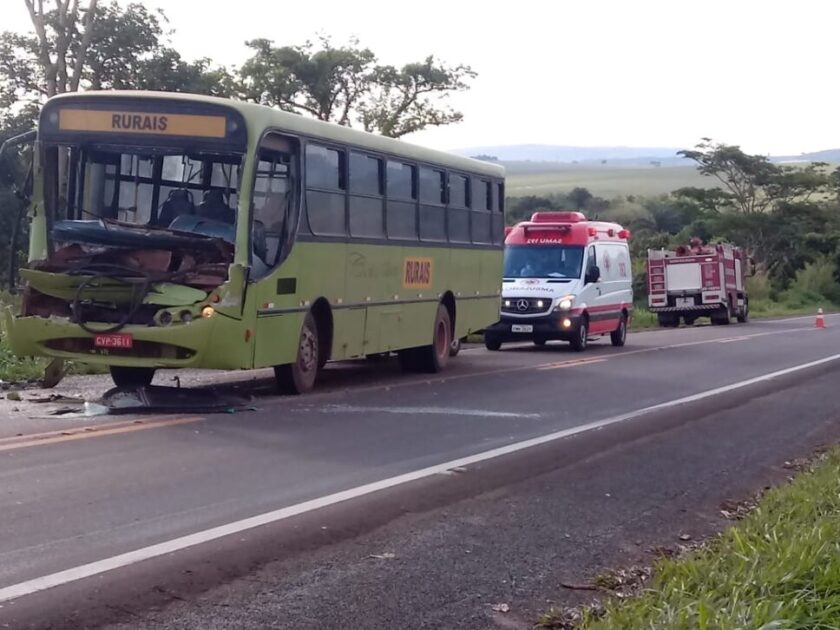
[{"x": 187, "y": 192}]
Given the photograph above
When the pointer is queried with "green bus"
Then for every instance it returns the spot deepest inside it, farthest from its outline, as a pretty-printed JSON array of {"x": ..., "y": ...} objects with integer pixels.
[{"x": 179, "y": 231}]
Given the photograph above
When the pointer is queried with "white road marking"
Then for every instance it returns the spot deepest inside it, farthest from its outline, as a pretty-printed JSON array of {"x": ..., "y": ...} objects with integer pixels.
[
  {"x": 438, "y": 411},
  {"x": 99, "y": 567}
]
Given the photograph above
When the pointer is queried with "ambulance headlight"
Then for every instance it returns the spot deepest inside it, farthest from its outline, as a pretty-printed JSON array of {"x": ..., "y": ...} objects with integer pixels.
[{"x": 565, "y": 303}]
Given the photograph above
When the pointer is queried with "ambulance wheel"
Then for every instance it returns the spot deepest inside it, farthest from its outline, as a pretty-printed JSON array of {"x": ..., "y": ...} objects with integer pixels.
[
  {"x": 131, "y": 376},
  {"x": 618, "y": 337},
  {"x": 492, "y": 343},
  {"x": 540, "y": 341},
  {"x": 580, "y": 339},
  {"x": 432, "y": 358},
  {"x": 299, "y": 377}
]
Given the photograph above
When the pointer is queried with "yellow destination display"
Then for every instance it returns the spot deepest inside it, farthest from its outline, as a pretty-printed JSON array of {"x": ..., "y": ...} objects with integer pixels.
[
  {"x": 417, "y": 273},
  {"x": 142, "y": 122}
]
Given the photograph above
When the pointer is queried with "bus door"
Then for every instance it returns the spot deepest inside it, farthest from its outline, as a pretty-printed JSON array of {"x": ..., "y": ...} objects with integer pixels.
[{"x": 276, "y": 285}]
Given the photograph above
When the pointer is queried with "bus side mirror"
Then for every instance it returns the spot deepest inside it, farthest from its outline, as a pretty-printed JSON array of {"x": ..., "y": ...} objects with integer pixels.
[{"x": 593, "y": 274}]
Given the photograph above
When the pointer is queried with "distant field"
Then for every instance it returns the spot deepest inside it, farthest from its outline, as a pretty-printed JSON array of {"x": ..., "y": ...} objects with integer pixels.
[
  {"x": 602, "y": 181},
  {"x": 607, "y": 181}
]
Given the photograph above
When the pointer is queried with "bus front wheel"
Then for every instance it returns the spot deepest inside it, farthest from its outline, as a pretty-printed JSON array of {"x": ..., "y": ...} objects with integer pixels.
[
  {"x": 131, "y": 376},
  {"x": 299, "y": 377}
]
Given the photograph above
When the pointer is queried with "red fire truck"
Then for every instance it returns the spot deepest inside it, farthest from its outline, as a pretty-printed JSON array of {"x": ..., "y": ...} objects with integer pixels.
[{"x": 698, "y": 280}]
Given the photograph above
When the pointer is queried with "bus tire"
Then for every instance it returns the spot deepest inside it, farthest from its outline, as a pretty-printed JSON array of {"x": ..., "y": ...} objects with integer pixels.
[
  {"x": 581, "y": 338},
  {"x": 299, "y": 377},
  {"x": 455, "y": 347},
  {"x": 435, "y": 357},
  {"x": 618, "y": 337},
  {"x": 131, "y": 376}
]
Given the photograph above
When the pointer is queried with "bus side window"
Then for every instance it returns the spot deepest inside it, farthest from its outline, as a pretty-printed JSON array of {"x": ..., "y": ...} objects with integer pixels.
[
  {"x": 326, "y": 188},
  {"x": 482, "y": 200},
  {"x": 498, "y": 221}
]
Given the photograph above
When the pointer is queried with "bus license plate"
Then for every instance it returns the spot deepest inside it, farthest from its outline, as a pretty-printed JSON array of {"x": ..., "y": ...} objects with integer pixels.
[
  {"x": 113, "y": 341},
  {"x": 523, "y": 328}
]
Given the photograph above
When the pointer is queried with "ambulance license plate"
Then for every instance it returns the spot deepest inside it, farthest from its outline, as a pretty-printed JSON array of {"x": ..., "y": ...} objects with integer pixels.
[
  {"x": 685, "y": 301},
  {"x": 522, "y": 328},
  {"x": 121, "y": 340}
]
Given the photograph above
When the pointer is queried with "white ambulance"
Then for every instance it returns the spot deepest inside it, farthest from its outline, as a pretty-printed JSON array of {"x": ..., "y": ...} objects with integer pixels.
[{"x": 565, "y": 278}]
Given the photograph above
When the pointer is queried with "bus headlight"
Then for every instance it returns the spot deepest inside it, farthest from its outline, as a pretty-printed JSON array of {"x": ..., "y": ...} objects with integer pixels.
[{"x": 565, "y": 303}]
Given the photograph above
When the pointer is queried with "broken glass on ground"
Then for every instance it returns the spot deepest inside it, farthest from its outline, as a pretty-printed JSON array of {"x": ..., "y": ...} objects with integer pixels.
[{"x": 158, "y": 399}]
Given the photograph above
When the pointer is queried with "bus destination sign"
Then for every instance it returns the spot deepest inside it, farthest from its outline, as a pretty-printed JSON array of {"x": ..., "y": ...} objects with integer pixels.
[{"x": 142, "y": 123}]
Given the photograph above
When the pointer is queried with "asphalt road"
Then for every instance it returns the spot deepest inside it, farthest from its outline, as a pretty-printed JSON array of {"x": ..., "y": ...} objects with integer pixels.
[{"x": 96, "y": 519}]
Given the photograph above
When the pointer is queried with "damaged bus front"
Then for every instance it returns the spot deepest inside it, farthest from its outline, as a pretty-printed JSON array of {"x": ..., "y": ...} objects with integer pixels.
[{"x": 139, "y": 236}]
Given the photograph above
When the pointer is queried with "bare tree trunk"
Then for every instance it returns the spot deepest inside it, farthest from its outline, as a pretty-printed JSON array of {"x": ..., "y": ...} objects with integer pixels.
[{"x": 87, "y": 35}]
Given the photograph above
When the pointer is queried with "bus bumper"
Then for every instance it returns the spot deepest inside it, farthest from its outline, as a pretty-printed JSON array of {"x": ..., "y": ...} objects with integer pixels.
[
  {"x": 562, "y": 326},
  {"x": 216, "y": 342}
]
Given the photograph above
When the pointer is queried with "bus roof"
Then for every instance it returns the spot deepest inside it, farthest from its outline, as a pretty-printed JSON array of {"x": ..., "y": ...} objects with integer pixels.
[{"x": 261, "y": 117}]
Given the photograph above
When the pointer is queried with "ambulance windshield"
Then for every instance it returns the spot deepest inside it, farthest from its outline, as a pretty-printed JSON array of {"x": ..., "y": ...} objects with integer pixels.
[{"x": 543, "y": 261}]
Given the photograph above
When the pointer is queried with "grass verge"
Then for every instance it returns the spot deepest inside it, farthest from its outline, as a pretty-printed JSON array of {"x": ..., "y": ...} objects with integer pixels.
[{"x": 778, "y": 568}]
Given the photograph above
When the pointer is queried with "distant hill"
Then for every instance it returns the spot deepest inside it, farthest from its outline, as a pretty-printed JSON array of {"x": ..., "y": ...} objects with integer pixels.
[
  {"x": 617, "y": 156},
  {"x": 559, "y": 153}
]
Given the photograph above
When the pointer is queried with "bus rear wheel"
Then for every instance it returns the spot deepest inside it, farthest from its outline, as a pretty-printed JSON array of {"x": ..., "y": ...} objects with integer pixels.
[
  {"x": 131, "y": 376},
  {"x": 299, "y": 377},
  {"x": 435, "y": 357}
]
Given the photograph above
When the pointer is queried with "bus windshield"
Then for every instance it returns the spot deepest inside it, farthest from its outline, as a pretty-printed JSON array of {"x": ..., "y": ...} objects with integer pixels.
[
  {"x": 174, "y": 190},
  {"x": 543, "y": 261}
]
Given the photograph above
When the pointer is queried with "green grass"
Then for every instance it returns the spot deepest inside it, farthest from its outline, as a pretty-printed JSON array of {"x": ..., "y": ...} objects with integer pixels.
[
  {"x": 777, "y": 569},
  {"x": 605, "y": 181}
]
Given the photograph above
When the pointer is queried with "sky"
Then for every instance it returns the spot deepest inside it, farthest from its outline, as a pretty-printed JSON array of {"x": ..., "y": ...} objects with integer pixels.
[{"x": 655, "y": 73}]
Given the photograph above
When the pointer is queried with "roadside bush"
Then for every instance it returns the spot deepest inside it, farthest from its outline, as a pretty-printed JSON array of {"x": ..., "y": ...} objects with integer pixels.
[{"x": 814, "y": 284}]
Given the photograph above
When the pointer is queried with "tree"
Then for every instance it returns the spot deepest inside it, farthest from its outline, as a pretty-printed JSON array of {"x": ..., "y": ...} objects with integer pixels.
[
  {"x": 755, "y": 184},
  {"x": 347, "y": 85},
  {"x": 580, "y": 198},
  {"x": 408, "y": 100},
  {"x": 99, "y": 47}
]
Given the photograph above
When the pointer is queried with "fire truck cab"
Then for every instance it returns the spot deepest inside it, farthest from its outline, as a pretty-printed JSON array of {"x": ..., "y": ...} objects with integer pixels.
[{"x": 565, "y": 278}]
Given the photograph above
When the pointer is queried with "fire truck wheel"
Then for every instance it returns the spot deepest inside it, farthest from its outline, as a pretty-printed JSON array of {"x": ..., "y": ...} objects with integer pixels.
[
  {"x": 721, "y": 317},
  {"x": 131, "y": 376},
  {"x": 619, "y": 336},
  {"x": 689, "y": 321},
  {"x": 580, "y": 340},
  {"x": 744, "y": 315},
  {"x": 668, "y": 321},
  {"x": 299, "y": 377}
]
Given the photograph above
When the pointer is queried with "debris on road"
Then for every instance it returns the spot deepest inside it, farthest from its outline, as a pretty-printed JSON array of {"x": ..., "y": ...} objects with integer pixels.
[
  {"x": 502, "y": 608},
  {"x": 383, "y": 556},
  {"x": 156, "y": 399},
  {"x": 685, "y": 537}
]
